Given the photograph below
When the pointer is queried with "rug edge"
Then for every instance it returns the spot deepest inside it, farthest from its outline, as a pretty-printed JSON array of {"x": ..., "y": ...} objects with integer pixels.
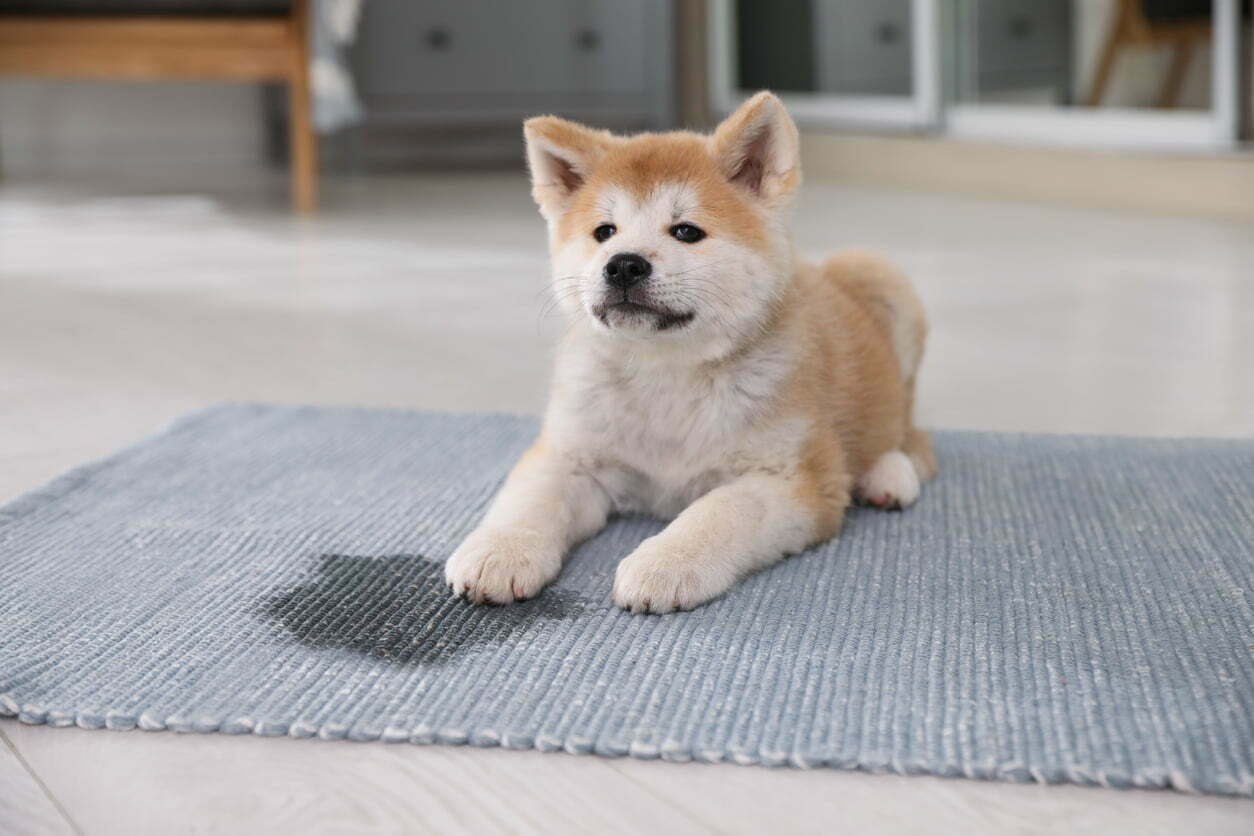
[
  {"x": 67, "y": 482},
  {"x": 1239, "y": 786}
]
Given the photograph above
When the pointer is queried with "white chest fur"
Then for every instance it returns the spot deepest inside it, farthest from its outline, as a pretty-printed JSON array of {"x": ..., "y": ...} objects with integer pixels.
[{"x": 660, "y": 432}]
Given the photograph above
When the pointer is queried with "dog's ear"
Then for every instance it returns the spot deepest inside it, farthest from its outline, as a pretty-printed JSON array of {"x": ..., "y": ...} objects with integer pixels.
[
  {"x": 561, "y": 156},
  {"x": 759, "y": 150}
]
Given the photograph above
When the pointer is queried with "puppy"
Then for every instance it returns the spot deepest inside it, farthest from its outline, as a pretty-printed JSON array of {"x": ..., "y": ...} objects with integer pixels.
[{"x": 708, "y": 377}]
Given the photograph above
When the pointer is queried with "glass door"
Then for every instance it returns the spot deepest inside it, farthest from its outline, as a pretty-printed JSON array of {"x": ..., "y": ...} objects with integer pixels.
[
  {"x": 1160, "y": 74},
  {"x": 1098, "y": 73},
  {"x": 852, "y": 62}
]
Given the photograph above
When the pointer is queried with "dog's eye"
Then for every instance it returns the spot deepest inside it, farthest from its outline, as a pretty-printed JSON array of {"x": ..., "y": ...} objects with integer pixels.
[
  {"x": 604, "y": 231},
  {"x": 687, "y": 233}
]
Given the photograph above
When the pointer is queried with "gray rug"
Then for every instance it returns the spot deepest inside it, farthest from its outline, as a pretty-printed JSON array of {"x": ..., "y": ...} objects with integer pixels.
[{"x": 1054, "y": 609}]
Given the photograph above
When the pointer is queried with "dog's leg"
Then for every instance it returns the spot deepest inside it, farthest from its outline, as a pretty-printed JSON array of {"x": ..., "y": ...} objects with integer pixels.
[
  {"x": 546, "y": 506},
  {"x": 733, "y": 530}
]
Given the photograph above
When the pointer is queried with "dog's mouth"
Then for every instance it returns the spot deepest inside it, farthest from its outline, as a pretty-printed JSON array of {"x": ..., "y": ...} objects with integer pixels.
[{"x": 627, "y": 312}]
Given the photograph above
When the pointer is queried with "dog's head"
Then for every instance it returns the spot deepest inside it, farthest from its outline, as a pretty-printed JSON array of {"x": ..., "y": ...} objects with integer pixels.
[{"x": 670, "y": 238}]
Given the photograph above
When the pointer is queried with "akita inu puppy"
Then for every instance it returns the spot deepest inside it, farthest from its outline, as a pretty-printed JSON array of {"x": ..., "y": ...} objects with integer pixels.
[{"x": 707, "y": 377}]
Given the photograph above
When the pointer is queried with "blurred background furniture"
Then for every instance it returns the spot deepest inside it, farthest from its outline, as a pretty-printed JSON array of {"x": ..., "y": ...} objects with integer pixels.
[
  {"x": 235, "y": 40},
  {"x": 443, "y": 84},
  {"x": 860, "y": 47},
  {"x": 1002, "y": 49},
  {"x": 448, "y": 81},
  {"x": 1181, "y": 24},
  {"x": 866, "y": 47}
]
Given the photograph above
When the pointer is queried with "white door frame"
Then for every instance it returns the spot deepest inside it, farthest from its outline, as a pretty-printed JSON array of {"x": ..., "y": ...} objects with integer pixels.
[{"x": 918, "y": 111}]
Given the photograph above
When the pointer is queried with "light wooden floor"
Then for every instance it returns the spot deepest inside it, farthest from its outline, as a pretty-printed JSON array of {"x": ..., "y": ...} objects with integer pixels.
[{"x": 118, "y": 313}]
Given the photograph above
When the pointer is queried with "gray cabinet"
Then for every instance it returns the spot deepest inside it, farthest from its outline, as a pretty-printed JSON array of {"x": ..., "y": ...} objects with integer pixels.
[
  {"x": 852, "y": 47},
  {"x": 1011, "y": 45},
  {"x": 449, "y": 61},
  {"x": 863, "y": 48}
]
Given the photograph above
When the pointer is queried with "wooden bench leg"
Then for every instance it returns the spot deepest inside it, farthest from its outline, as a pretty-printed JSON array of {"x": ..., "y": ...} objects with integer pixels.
[
  {"x": 1169, "y": 93},
  {"x": 1105, "y": 66},
  {"x": 303, "y": 139}
]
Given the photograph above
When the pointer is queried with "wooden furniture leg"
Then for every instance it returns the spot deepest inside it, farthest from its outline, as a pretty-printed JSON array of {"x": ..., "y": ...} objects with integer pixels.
[
  {"x": 1173, "y": 81},
  {"x": 303, "y": 139},
  {"x": 1105, "y": 66},
  {"x": 1127, "y": 27},
  {"x": 231, "y": 48}
]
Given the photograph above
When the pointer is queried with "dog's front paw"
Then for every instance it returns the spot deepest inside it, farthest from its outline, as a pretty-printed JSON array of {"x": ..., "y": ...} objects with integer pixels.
[
  {"x": 502, "y": 565},
  {"x": 657, "y": 578}
]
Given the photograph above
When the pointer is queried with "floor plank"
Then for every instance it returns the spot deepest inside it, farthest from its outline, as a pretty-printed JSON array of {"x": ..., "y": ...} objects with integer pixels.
[
  {"x": 26, "y": 808},
  {"x": 276, "y": 786},
  {"x": 136, "y": 782},
  {"x": 756, "y": 800}
]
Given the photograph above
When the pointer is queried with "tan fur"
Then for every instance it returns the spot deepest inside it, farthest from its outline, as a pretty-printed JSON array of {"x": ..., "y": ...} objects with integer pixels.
[
  {"x": 850, "y": 383},
  {"x": 642, "y": 163},
  {"x": 782, "y": 391}
]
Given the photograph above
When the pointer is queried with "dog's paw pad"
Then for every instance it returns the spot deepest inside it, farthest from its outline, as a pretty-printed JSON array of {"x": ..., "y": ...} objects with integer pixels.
[{"x": 891, "y": 484}]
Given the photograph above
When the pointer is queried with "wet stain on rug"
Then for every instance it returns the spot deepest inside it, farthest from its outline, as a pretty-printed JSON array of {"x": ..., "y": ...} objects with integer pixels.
[{"x": 398, "y": 608}]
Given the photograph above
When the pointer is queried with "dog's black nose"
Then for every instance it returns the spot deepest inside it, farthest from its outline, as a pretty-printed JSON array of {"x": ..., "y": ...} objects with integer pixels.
[{"x": 627, "y": 269}]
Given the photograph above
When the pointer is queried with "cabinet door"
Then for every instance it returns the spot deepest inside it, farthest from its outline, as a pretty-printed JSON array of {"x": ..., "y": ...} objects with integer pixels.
[
  {"x": 1019, "y": 45},
  {"x": 614, "y": 42},
  {"x": 446, "y": 61},
  {"x": 1022, "y": 35},
  {"x": 863, "y": 46},
  {"x": 467, "y": 48}
]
